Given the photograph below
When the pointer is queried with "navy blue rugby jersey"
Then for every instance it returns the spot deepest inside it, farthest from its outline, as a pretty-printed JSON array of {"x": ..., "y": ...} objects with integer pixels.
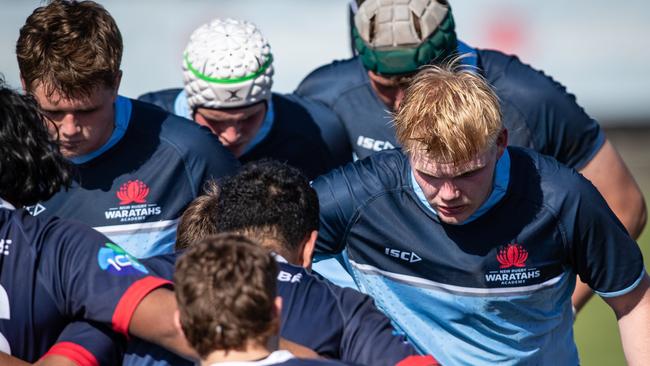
[
  {"x": 135, "y": 191},
  {"x": 537, "y": 111},
  {"x": 55, "y": 273},
  {"x": 335, "y": 322},
  {"x": 495, "y": 290},
  {"x": 304, "y": 133}
]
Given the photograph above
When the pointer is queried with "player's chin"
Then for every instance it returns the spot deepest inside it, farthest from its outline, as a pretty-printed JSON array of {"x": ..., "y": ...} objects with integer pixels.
[{"x": 453, "y": 218}]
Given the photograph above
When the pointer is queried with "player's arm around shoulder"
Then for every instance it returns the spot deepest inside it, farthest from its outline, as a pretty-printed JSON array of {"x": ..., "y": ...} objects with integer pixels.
[{"x": 633, "y": 313}]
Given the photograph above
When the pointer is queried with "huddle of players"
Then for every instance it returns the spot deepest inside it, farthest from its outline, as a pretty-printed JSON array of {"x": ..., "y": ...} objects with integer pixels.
[{"x": 155, "y": 163}]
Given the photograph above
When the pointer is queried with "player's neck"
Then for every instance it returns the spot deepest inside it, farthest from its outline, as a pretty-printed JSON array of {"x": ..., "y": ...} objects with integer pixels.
[{"x": 252, "y": 352}]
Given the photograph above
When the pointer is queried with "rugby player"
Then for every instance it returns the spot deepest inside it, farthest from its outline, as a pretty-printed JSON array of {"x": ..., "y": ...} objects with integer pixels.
[
  {"x": 395, "y": 38},
  {"x": 229, "y": 309},
  {"x": 228, "y": 74},
  {"x": 273, "y": 204},
  {"x": 137, "y": 167},
  {"x": 56, "y": 275},
  {"x": 471, "y": 247}
]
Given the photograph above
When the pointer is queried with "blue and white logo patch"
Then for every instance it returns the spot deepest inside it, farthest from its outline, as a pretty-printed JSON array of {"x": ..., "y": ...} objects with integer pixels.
[{"x": 116, "y": 260}]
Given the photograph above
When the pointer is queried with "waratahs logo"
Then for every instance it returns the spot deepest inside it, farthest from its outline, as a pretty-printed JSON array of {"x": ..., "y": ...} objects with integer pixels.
[
  {"x": 513, "y": 255},
  {"x": 133, "y": 191},
  {"x": 115, "y": 260},
  {"x": 512, "y": 268},
  {"x": 133, "y": 206}
]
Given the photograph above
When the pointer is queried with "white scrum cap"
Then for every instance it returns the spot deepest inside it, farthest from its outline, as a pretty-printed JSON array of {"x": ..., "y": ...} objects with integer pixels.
[{"x": 227, "y": 64}]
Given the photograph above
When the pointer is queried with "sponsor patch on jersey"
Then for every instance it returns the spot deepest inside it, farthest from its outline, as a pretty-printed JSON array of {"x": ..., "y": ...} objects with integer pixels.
[
  {"x": 512, "y": 267},
  {"x": 35, "y": 210},
  {"x": 132, "y": 205},
  {"x": 114, "y": 259},
  {"x": 372, "y": 144}
]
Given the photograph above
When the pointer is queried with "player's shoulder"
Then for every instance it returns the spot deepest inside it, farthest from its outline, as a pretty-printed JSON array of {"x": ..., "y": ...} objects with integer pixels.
[
  {"x": 329, "y": 82},
  {"x": 164, "y": 98},
  {"x": 517, "y": 81},
  {"x": 50, "y": 235},
  {"x": 383, "y": 171},
  {"x": 188, "y": 139},
  {"x": 542, "y": 178}
]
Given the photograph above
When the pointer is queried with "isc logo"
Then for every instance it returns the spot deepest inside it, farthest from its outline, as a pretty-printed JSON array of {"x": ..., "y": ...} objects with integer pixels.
[
  {"x": 403, "y": 255},
  {"x": 372, "y": 144}
]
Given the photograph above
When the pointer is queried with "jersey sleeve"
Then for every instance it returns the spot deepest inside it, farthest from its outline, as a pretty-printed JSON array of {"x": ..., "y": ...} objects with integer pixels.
[
  {"x": 559, "y": 127},
  {"x": 91, "y": 278},
  {"x": 336, "y": 209},
  {"x": 368, "y": 336},
  {"x": 602, "y": 252},
  {"x": 88, "y": 344}
]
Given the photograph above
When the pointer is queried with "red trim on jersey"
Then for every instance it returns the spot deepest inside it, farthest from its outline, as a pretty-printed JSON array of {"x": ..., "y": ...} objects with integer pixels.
[
  {"x": 73, "y": 351},
  {"x": 427, "y": 360},
  {"x": 131, "y": 299}
]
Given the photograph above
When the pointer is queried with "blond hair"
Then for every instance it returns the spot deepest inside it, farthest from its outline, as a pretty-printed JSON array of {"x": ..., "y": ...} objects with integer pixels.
[{"x": 448, "y": 113}]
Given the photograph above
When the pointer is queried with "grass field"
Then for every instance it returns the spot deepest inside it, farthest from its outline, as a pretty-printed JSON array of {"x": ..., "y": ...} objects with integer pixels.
[{"x": 596, "y": 330}]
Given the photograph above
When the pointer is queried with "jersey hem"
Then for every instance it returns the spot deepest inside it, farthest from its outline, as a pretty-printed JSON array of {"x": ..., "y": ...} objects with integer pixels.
[
  {"x": 74, "y": 352},
  {"x": 130, "y": 301},
  {"x": 625, "y": 290},
  {"x": 600, "y": 142}
]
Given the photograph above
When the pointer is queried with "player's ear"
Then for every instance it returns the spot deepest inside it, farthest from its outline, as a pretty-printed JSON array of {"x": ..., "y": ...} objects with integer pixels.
[
  {"x": 177, "y": 322},
  {"x": 116, "y": 83},
  {"x": 308, "y": 249},
  {"x": 278, "y": 307},
  {"x": 502, "y": 142}
]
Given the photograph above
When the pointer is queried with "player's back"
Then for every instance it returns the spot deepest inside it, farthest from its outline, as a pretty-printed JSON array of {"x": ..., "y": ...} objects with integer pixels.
[
  {"x": 337, "y": 323},
  {"x": 55, "y": 271},
  {"x": 21, "y": 289}
]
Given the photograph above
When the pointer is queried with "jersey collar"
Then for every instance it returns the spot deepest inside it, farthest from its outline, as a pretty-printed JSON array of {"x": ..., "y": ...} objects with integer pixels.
[
  {"x": 274, "y": 358},
  {"x": 123, "y": 109},
  {"x": 6, "y": 204}
]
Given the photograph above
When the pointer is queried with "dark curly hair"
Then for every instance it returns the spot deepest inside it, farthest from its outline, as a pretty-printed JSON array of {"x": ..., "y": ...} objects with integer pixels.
[
  {"x": 271, "y": 202},
  {"x": 225, "y": 287},
  {"x": 31, "y": 167}
]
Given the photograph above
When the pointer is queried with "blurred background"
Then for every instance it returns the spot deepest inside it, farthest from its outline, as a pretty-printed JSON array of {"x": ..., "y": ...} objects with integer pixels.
[{"x": 598, "y": 49}]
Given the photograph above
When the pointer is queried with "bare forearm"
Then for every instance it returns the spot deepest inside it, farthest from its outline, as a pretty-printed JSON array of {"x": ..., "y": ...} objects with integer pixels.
[
  {"x": 633, "y": 313},
  {"x": 8, "y": 360},
  {"x": 153, "y": 321}
]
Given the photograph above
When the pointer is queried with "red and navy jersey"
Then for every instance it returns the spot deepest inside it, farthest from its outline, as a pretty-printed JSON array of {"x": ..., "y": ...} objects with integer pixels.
[
  {"x": 304, "y": 133},
  {"x": 55, "y": 273},
  {"x": 538, "y": 112},
  {"x": 495, "y": 290},
  {"x": 135, "y": 191},
  {"x": 337, "y": 323}
]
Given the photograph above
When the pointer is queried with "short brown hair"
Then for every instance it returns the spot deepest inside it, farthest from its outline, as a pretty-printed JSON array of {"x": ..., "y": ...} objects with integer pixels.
[
  {"x": 449, "y": 113},
  {"x": 226, "y": 288},
  {"x": 70, "y": 47},
  {"x": 199, "y": 219}
]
